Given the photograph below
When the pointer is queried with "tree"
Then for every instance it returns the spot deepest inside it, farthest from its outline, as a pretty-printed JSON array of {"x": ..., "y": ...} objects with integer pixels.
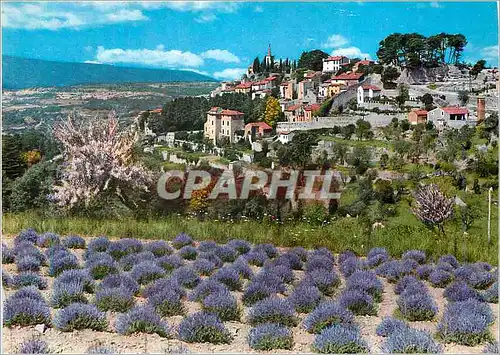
[
  {"x": 312, "y": 60},
  {"x": 383, "y": 161},
  {"x": 98, "y": 163},
  {"x": 348, "y": 131},
  {"x": 297, "y": 153},
  {"x": 340, "y": 150},
  {"x": 389, "y": 76},
  {"x": 362, "y": 128},
  {"x": 477, "y": 68},
  {"x": 256, "y": 65},
  {"x": 432, "y": 207},
  {"x": 13, "y": 165},
  {"x": 403, "y": 96},
  {"x": 360, "y": 159},
  {"x": 463, "y": 97},
  {"x": 272, "y": 112},
  {"x": 428, "y": 101}
]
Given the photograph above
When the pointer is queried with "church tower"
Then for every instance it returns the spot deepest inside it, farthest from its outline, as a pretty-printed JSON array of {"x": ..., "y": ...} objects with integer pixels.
[{"x": 269, "y": 57}]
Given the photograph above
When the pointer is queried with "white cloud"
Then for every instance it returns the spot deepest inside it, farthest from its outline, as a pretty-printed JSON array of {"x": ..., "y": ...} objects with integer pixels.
[
  {"x": 222, "y": 55},
  {"x": 92, "y": 62},
  {"x": 204, "y": 18},
  {"x": 351, "y": 52},
  {"x": 230, "y": 73},
  {"x": 258, "y": 9},
  {"x": 37, "y": 16},
  {"x": 124, "y": 15},
  {"x": 202, "y": 72},
  {"x": 335, "y": 41},
  {"x": 154, "y": 57},
  {"x": 196, "y": 6},
  {"x": 490, "y": 54}
]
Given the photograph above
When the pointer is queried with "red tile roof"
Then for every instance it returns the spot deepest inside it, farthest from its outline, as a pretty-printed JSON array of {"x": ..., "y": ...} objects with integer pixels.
[
  {"x": 158, "y": 110},
  {"x": 285, "y": 83},
  {"x": 421, "y": 112},
  {"x": 293, "y": 107},
  {"x": 312, "y": 107},
  {"x": 365, "y": 62},
  {"x": 244, "y": 86},
  {"x": 262, "y": 125},
  {"x": 232, "y": 113},
  {"x": 336, "y": 57},
  {"x": 455, "y": 110},
  {"x": 350, "y": 76},
  {"x": 373, "y": 87}
]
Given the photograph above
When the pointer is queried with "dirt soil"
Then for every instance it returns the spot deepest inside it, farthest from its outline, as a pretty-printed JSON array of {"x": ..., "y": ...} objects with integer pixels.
[{"x": 77, "y": 342}]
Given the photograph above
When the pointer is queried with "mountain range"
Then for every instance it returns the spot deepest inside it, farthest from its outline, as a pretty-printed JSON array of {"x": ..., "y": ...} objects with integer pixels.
[{"x": 20, "y": 73}]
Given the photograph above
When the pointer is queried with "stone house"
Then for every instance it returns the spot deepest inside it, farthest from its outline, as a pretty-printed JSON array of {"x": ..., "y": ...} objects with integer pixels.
[
  {"x": 223, "y": 123},
  {"x": 417, "y": 116}
]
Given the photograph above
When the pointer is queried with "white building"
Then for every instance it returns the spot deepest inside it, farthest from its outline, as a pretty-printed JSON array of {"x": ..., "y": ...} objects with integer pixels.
[
  {"x": 285, "y": 137},
  {"x": 367, "y": 92},
  {"x": 333, "y": 64}
]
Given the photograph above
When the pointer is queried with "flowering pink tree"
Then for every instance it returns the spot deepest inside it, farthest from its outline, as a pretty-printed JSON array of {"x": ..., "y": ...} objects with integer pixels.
[{"x": 98, "y": 162}]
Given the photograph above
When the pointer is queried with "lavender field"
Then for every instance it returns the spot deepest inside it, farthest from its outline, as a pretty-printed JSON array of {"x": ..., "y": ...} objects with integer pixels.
[{"x": 68, "y": 294}]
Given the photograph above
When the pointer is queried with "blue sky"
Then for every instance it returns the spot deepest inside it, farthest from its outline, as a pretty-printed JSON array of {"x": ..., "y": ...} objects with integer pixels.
[{"x": 222, "y": 38}]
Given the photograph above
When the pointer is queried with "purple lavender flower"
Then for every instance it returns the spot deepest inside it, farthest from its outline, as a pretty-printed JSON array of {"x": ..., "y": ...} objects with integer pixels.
[
  {"x": 48, "y": 239},
  {"x": 205, "y": 288},
  {"x": 390, "y": 325},
  {"x": 29, "y": 278},
  {"x": 318, "y": 262},
  {"x": 326, "y": 315},
  {"x": 408, "y": 340},
  {"x": 207, "y": 246},
  {"x": 257, "y": 258},
  {"x": 25, "y": 311},
  {"x": 74, "y": 242},
  {"x": 376, "y": 260},
  {"x": 273, "y": 310},
  {"x": 128, "y": 261},
  {"x": 346, "y": 254},
  {"x": 270, "y": 336},
  {"x": 117, "y": 299},
  {"x": 27, "y": 263},
  {"x": 368, "y": 282},
  {"x": 283, "y": 272},
  {"x": 377, "y": 251},
  {"x": 300, "y": 252},
  {"x": 440, "y": 278},
  {"x": 339, "y": 339},
  {"x": 491, "y": 348},
  {"x": 142, "y": 319},
  {"x": 444, "y": 266},
  {"x": 60, "y": 262},
  {"x": 393, "y": 270},
  {"x": 29, "y": 292},
  {"x": 170, "y": 262},
  {"x": 293, "y": 260},
  {"x": 256, "y": 292},
  {"x": 204, "y": 267},
  {"x": 226, "y": 253},
  {"x": 223, "y": 304},
  {"x": 229, "y": 277},
  {"x": 210, "y": 256},
  {"x": 466, "y": 323},
  {"x": 450, "y": 259},
  {"x": 159, "y": 248},
  {"x": 146, "y": 272},
  {"x": 163, "y": 284},
  {"x": 101, "y": 265},
  {"x": 122, "y": 280},
  {"x": 80, "y": 316},
  {"x": 167, "y": 303},
  {"x": 460, "y": 291},
  {"x": 481, "y": 280},
  {"x": 271, "y": 280},
  {"x": 7, "y": 255},
  {"x": 241, "y": 246},
  {"x": 67, "y": 293},
  {"x": 188, "y": 252},
  {"x": 326, "y": 281},
  {"x": 350, "y": 265},
  {"x": 491, "y": 294},
  {"x": 27, "y": 235},
  {"x": 270, "y": 250},
  {"x": 243, "y": 269},
  {"x": 423, "y": 271},
  {"x": 186, "y": 276},
  {"x": 417, "y": 306},
  {"x": 417, "y": 255},
  {"x": 182, "y": 240},
  {"x": 56, "y": 250},
  {"x": 203, "y": 327},
  {"x": 6, "y": 279},
  {"x": 33, "y": 346},
  {"x": 99, "y": 244},
  {"x": 402, "y": 284},
  {"x": 358, "y": 302},
  {"x": 305, "y": 298}
]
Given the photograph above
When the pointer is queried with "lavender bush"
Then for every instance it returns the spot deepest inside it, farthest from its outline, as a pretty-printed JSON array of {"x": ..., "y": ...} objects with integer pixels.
[
  {"x": 230, "y": 278},
  {"x": 210, "y": 256},
  {"x": 285, "y": 273},
  {"x": 376, "y": 260},
  {"x": 182, "y": 240},
  {"x": 122, "y": 280},
  {"x": 117, "y": 299},
  {"x": 33, "y": 346},
  {"x": 389, "y": 325},
  {"x": 368, "y": 282},
  {"x": 241, "y": 246},
  {"x": 7, "y": 255},
  {"x": 256, "y": 292},
  {"x": 74, "y": 242},
  {"x": 170, "y": 262},
  {"x": 340, "y": 339},
  {"x": 99, "y": 244},
  {"x": 29, "y": 278},
  {"x": 450, "y": 259},
  {"x": 142, "y": 319},
  {"x": 304, "y": 299},
  {"x": 207, "y": 246},
  {"x": 408, "y": 341},
  {"x": 206, "y": 288},
  {"x": 6, "y": 279},
  {"x": 257, "y": 258},
  {"x": 146, "y": 272},
  {"x": 226, "y": 253},
  {"x": 204, "y": 267},
  {"x": 80, "y": 316},
  {"x": 440, "y": 278},
  {"x": 326, "y": 315},
  {"x": 270, "y": 336},
  {"x": 273, "y": 310},
  {"x": 460, "y": 291},
  {"x": 417, "y": 255},
  {"x": 64, "y": 294},
  {"x": 167, "y": 303},
  {"x": 186, "y": 276},
  {"x": 270, "y": 250},
  {"x": 491, "y": 294},
  {"x": 60, "y": 262},
  {"x": 28, "y": 263},
  {"x": 203, "y": 327},
  {"x": 326, "y": 281},
  {"x": 23, "y": 311},
  {"x": 223, "y": 304},
  {"x": 129, "y": 261},
  {"x": 26, "y": 235},
  {"x": 101, "y": 265},
  {"x": 417, "y": 306},
  {"x": 188, "y": 252},
  {"x": 318, "y": 262},
  {"x": 29, "y": 292},
  {"x": 159, "y": 248},
  {"x": 377, "y": 251},
  {"x": 406, "y": 281},
  {"x": 491, "y": 348},
  {"x": 48, "y": 239},
  {"x": 423, "y": 271},
  {"x": 160, "y": 285},
  {"x": 350, "y": 265},
  {"x": 300, "y": 252},
  {"x": 242, "y": 268},
  {"x": 293, "y": 260},
  {"x": 358, "y": 302}
]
